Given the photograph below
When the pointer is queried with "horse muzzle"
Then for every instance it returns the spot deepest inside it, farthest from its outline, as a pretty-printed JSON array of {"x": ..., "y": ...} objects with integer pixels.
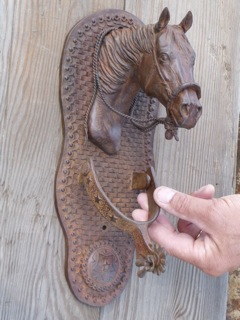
[
  {"x": 185, "y": 108},
  {"x": 189, "y": 115}
]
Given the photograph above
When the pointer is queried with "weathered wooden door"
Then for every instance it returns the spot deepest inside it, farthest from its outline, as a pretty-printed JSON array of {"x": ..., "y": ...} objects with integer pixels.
[{"x": 32, "y": 250}]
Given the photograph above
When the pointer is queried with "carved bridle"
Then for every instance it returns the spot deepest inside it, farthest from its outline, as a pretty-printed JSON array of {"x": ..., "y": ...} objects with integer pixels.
[{"x": 173, "y": 94}]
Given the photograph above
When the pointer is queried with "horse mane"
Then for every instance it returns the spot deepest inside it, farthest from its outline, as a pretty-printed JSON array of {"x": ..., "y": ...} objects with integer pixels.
[{"x": 120, "y": 51}]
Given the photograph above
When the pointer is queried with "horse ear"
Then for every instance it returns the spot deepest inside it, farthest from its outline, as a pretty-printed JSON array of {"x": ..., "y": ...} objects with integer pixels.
[
  {"x": 163, "y": 20},
  {"x": 186, "y": 22}
]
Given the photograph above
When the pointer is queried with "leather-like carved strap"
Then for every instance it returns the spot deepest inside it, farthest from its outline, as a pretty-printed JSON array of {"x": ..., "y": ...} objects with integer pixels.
[{"x": 149, "y": 256}]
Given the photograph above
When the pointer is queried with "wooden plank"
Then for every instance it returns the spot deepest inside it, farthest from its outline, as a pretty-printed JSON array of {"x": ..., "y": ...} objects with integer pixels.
[
  {"x": 203, "y": 155},
  {"x": 233, "y": 303},
  {"x": 32, "y": 254}
]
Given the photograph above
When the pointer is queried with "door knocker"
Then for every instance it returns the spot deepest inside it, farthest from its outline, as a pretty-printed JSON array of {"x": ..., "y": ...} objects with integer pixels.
[{"x": 114, "y": 71}]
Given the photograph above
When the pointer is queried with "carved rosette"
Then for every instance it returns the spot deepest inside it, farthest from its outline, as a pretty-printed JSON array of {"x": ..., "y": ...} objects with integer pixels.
[{"x": 104, "y": 266}]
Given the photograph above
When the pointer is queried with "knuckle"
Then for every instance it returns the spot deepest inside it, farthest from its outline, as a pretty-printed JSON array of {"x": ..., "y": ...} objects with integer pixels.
[
  {"x": 181, "y": 202},
  {"x": 214, "y": 212},
  {"x": 215, "y": 206}
]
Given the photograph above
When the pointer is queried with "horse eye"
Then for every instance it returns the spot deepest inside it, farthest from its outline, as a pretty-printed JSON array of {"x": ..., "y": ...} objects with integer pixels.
[{"x": 164, "y": 57}]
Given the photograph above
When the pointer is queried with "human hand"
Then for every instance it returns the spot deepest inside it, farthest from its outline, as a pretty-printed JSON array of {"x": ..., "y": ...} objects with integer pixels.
[{"x": 217, "y": 222}]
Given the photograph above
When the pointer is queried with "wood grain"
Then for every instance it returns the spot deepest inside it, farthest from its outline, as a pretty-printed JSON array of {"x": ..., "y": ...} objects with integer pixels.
[
  {"x": 233, "y": 302},
  {"x": 32, "y": 252},
  {"x": 32, "y": 280},
  {"x": 204, "y": 155}
]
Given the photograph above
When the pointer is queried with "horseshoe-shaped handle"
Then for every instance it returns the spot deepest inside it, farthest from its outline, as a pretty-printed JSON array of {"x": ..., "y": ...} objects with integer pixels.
[{"x": 149, "y": 256}]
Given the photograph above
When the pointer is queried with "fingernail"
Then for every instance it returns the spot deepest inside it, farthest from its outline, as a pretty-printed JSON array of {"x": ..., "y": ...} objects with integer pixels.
[
  {"x": 165, "y": 194},
  {"x": 201, "y": 189}
]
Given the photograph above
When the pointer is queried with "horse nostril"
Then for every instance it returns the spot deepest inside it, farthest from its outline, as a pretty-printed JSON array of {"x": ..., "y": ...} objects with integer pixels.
[
  {"x": 185, "y": 109},
  {"x": 199, "y": 109}
]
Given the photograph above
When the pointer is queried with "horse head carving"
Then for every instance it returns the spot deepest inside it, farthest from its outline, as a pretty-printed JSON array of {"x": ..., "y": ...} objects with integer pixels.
[{"x": 155, "y": 58}]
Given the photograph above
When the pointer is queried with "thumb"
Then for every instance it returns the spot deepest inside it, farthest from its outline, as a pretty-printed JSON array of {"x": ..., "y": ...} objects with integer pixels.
[{"x": 196, "y": 210}]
